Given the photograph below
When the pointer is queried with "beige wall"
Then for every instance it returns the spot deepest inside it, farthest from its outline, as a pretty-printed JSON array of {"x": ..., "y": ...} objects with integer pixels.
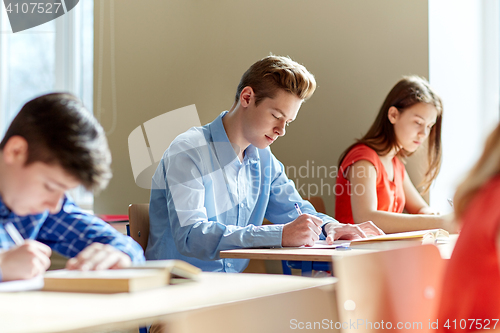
[{"x": 169, "y": 54}]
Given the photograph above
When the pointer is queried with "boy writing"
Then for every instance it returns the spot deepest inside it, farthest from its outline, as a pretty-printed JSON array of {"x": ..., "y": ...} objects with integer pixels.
[
  {"x": 216, "y": 184},
  {"x": 53, "y": 145}
]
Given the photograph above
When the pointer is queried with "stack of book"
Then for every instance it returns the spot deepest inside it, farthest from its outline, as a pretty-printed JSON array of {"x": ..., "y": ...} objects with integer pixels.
[{"x": 151, "y": 274}]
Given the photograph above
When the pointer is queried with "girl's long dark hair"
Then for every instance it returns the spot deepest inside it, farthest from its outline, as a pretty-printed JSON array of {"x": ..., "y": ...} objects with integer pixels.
[{"x": 380, "y": 137}]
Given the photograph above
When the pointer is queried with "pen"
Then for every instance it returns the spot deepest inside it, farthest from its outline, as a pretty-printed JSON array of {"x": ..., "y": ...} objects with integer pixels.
[
  {"x": 297, "y": 208},
  {"x": 14, "y": 234},
  {"x": 343, "y": 247}
]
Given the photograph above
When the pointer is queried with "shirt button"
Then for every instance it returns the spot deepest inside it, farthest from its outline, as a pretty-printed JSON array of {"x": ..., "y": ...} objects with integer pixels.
[
  {"x": 242, "y": 205},
  {"x": 229, "y": 264}
]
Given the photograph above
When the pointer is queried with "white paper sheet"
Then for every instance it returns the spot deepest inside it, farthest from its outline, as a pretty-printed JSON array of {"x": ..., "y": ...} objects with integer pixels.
[
  {"x": 35, "y": 283},
  {"x": 322, "y": 244}
]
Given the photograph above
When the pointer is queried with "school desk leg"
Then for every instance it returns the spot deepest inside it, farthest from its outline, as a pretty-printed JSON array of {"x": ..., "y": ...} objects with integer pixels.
[
  {"x": 307, "y": 267},
  {"x": 286, "y": 269}
]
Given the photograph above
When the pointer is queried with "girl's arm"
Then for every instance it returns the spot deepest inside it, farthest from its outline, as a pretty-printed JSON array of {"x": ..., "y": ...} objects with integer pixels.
[
  {"x": 362, "y": 174},
  {"x": 415, "y": 204}
]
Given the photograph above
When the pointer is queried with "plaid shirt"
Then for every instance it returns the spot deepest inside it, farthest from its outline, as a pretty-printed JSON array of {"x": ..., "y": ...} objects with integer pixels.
[{"x": 67, "y": 232}]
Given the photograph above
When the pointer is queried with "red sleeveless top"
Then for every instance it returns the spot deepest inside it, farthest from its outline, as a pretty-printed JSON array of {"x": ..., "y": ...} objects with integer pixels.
[
  {"x": 390, "y": 194},
  {"x": 471, "y": 284}
]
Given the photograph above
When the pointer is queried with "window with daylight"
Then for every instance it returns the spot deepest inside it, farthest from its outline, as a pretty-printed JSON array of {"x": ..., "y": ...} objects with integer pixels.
[
  {"x": 54, "y": 56},
  {"x": 464, "y": 69}
]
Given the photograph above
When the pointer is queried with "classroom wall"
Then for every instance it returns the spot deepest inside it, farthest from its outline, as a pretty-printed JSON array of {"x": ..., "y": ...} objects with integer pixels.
[{"x": 154, "y": 56}]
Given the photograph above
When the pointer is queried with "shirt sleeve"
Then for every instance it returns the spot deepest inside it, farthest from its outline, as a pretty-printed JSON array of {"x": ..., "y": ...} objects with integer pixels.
[
  {"x": 284, "y": 195},
  {"x": 72, "y": 230},
  {"x": 360, "y": 152},
  {"x": 187, "y": 171}
]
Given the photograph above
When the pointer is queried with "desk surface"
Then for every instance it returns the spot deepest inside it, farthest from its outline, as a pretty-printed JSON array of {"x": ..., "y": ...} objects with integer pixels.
[
  {"x": 304, "y": 254},
  {"x": 71, "y": 312}
]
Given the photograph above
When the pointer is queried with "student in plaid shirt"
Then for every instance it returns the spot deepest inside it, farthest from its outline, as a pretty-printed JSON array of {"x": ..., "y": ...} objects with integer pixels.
[{"x": 53, "y": 145}]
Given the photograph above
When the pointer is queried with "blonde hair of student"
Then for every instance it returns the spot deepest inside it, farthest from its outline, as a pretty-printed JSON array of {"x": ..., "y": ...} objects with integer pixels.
[
  {"x": 487, "y": 167},
  {"x": 272, "y": 73},
  {"x": 409, "y": 91}
]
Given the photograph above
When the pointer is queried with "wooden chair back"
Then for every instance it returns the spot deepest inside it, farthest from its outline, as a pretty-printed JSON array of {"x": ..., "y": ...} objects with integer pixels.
[
  {"x": 138, "y": 215},
  {"x": 401, "y": 285},
  {"x": 318, "y": 204}
]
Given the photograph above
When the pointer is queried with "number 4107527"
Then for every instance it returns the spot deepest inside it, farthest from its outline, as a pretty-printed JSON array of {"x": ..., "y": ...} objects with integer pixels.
[
  {"x": 471, "y": 323},
  {"x": 33, "y": 8}
]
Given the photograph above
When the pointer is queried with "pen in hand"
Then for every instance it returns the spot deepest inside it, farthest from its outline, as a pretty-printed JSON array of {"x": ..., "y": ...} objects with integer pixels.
[
  {"x": 297, "y": 208},
  {"x": 14, "y": 233}
]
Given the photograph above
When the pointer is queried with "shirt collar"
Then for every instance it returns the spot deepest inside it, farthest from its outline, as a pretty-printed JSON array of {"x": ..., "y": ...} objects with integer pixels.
[
  {"x": 251, "y": 154},
  {"x": 223, "y": 146}
]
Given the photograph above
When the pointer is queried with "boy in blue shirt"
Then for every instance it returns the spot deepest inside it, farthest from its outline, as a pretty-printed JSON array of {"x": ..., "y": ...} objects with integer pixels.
[
  {"x": 53, "y": 145},
  {"x": 215, "y": 184}
]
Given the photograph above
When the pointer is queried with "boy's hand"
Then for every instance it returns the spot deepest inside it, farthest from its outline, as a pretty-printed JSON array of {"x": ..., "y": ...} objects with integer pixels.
[
  {"x": 351, "y": 231},
  {"x": 305, "y": 230},
  {"x": 25, "y": 261},
  {"x": 99, "y": 256}
]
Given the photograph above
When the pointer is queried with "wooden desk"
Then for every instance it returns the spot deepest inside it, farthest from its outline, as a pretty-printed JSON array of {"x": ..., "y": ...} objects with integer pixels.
[
  {"x": 325, "y": 255},
  {"x": 216, "y": 294}
]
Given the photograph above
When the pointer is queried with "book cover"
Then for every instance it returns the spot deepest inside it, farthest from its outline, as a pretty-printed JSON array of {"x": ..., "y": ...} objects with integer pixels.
[
  {"x": 104, "y": 281},
  {"x": 148, "y": 275}
]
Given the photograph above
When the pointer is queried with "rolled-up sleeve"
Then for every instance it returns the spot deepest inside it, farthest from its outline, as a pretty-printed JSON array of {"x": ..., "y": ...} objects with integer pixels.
[
  {"x": 284, "y": 195},
  {"x": 190, "y": 172},
  {"x": 72, "y": 230}
]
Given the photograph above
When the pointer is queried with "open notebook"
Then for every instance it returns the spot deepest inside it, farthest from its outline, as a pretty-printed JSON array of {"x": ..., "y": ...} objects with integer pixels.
[
  {"x": 35, "y": 283},
  {"x": 428, "y": 235}
]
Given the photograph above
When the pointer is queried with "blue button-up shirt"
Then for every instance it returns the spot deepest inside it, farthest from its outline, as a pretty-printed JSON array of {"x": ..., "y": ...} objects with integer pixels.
[
  {"x": 67, "y": 232},
  {"x": 205, "y": 200}
]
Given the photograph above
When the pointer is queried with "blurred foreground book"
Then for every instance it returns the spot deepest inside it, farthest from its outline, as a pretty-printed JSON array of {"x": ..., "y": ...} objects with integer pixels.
[{"x": 149, "y": 275}]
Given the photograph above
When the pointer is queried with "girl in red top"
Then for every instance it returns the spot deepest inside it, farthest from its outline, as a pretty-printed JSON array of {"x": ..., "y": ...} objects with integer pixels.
[
  {"x": 372, "y": 184},
  {"x": 470, "y": 298}
]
